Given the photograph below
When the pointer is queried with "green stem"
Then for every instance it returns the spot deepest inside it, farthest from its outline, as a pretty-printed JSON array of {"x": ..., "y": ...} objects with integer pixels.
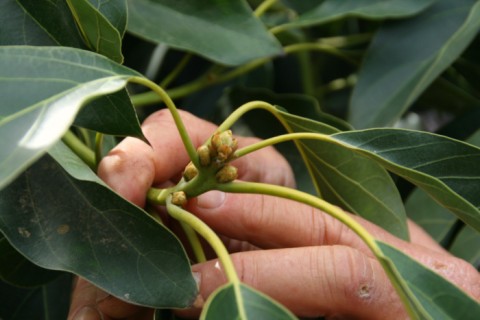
[
  {"x": 263, "y": 7},
  {"x": 194, "y": 242},
  {"x": 176, "y": 71},
  {"x": 192, "y": 153},
  {"x": 98, "y": 147},
  {"x": 335, "y": 212},
  {"x": 217, "y": 245},
  {"x": 148, "y": 98},
  {"x": 282, "y": 138},
  {"x": 240, "y": 111},
  {"x": 346, "y": 41},
  {"x": 209, "y": 235},
  {"x": 315, "y": 46},
  {"x": 80, "y": 149},
  {"x": 299, "y": 196}
]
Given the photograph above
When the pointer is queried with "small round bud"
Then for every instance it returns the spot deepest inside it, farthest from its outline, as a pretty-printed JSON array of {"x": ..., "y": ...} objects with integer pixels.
[
  {"x": 226, "y": 174},
  {"x": 204, "y": 155},
  {"x": 179, "y": 198},
  {"x": 190, "y": 172},
  {"x": 223, "y": 145}
]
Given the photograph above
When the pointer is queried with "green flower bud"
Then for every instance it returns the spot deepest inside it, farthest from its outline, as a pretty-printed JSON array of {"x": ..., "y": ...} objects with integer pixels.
[
  {"x": 226, "y": 174},
  {"x": 204, "y": 155},
  {"x": 179, "y": 198},
  {"x": 190, "y": 172}
]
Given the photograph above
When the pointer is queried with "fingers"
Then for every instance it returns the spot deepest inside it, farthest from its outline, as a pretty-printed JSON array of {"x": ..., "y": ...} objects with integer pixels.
[
  {"x": 270, "y": 222},
  {"x": 313, "y": 281},
  {"x": 133, "y": 166},
  {"x": 91, "y": 303},
  {"x": 328, "y": 280}
]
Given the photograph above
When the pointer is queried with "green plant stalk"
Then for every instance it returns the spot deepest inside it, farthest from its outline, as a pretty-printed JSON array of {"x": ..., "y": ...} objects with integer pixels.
[
  {"x": 208, "y": 234},
  {"x": 192, "y": 152},
  {"x": 335, "y": 212},
  {"x": 194, "y": 242},
  {"x": 80, "y": 149},
  {"x": 347, "y": 40},
  {"x": 315, "y": 46},
  {"x": 263, "y": 7},
  {"x": 148, "y": 98},
  {"x": 283, "y": 138},
  {"x": 308, "y": 78},
  {"x": 217, "y": 245},
  {"x": 240, "y": 111},
  {"x": 176, "y": 71},
  {"x": 98, "y": 147},
  {"x": 203, "y": 182}
]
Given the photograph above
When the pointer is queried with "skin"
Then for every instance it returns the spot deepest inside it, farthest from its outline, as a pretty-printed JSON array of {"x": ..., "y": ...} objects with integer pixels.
[{"x": 314, "y": 265}]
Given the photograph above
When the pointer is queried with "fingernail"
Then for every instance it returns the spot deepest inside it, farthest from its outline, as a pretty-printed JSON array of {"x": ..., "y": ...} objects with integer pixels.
[
  {"x": 211, "y": 199},
  {"x": 88, "y": 313}
]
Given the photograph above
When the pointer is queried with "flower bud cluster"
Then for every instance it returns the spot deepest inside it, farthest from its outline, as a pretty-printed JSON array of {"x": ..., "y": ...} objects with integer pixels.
[{"x": 216, "y": 154}]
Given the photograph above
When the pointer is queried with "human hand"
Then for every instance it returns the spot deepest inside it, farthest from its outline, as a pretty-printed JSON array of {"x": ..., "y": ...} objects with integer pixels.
[{"x": 306, "y": 260}]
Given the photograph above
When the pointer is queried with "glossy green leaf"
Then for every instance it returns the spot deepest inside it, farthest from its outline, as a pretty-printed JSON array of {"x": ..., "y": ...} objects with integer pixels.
[
  {"x": 38, "y": 22},
  {"x": 111, "y": 114},
  {"x": 48, "y": 302},
  {"x": 42, "y": 90},
  {"x": 430, "y": 295},
  {"x": 115, "y": 12},
  {"x": 67, "y": 220},
  {"x": 406, "y": 56},
  {"x": 331, "y": 10},
  {"x": 467, "y": 246},
  {"x": 445, "y": 168},
  {"x": 17, "y": 270},
  {"x": 435, "y": 219},
  {"x": 349, "y": 180},
  {"x": 467, "y": 243},
  {"x": 99, "y": 33},
  {"x": 224, "y": 31},
  {"x": 228, "y": 301}
]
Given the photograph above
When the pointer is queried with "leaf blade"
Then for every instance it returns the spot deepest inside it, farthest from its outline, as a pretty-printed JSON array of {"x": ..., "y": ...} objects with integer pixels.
[
  {"x": 349, "y": 180},
  {"x": 76, "y": 224},
  {"x": 42, "y": 22},
  {"x": 98, "y": 32},
  {"x": 443, "y": 167},
  {"x": 395, "y": 73},
  {"x": 224, "y": 304},
  {"x": 431, "y": 296},
  {"x": 330, "y": 10},
  {"x": 59, "y": 81},
  {"x": 205, "y": 28}
]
